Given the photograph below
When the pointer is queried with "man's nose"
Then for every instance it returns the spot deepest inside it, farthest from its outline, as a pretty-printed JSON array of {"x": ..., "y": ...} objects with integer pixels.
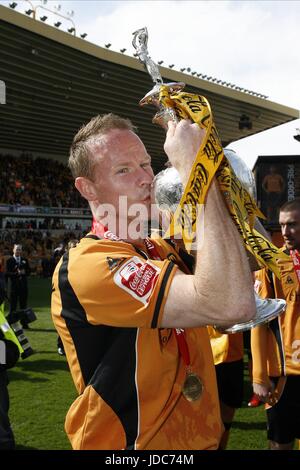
[
  {"x": 146, "y": 176},
  {"x": 285, "y": 230}
]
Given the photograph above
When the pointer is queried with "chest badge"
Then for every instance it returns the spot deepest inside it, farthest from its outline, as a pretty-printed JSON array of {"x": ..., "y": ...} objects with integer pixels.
[{"x": 114, "y": 263}]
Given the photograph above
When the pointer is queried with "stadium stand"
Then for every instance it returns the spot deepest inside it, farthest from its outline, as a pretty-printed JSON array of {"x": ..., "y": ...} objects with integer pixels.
[{"x": 39, "y": 209}]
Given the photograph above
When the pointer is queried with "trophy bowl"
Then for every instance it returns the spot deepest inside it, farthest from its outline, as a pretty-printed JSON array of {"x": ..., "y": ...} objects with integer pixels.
[{"x": 168, "y": 189}]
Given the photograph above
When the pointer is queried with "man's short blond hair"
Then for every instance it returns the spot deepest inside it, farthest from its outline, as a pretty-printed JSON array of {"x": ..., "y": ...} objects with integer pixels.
[{"x": 80, "y": 159}]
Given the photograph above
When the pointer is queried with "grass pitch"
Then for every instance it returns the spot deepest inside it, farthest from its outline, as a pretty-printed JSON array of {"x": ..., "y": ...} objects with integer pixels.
[{"x": 41, "y": 389}]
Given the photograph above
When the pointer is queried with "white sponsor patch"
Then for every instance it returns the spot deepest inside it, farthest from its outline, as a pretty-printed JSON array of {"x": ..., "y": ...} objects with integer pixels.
[{"x": 138, "y": 278}]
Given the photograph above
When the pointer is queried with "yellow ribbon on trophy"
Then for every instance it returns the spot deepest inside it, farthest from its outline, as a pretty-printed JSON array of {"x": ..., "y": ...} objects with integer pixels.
[
  {"x": 209, "y": 162},
  {"x": 242, "y": 208},
  {"x": 209, "y": 157}
]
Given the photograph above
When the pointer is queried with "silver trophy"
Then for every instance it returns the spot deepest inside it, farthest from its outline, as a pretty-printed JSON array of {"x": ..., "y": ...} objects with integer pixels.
[
  {"x": 167, "y": 185},
  {"x": 266, "y": 309},
  {"x": 168, "y": 190},
  {"x": 165, "y": 114}
]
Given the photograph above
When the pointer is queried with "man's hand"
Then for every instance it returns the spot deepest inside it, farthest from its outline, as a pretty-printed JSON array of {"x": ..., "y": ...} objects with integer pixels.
[
  {"x": 263, "y": 391},
  {"x": 182, "y": 143}
]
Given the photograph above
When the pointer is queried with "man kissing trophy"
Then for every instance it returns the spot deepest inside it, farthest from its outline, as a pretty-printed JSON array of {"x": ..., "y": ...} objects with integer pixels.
[{"x": 235, "y": 180}]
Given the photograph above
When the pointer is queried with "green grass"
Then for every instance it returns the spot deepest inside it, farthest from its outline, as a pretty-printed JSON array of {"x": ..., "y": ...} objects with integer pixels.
[
  {"x": 41, "y": 389},
  {"x": 248, "y": 431}
]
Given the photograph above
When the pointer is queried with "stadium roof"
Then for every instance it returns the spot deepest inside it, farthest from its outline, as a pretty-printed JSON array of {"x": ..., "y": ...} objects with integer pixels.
[{"x": 56, "y": 81}]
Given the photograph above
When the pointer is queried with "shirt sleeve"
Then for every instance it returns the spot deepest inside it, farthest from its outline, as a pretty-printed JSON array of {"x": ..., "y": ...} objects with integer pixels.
[
  {"x": 259, "y": 335},
  {"x": 120, "y": 288}
]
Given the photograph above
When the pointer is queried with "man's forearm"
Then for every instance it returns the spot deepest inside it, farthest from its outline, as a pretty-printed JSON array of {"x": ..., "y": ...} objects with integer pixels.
[{"x": 221, "y": 263}]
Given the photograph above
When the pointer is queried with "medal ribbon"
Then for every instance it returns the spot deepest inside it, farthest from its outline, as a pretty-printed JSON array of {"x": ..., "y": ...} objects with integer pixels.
[
  {"x": 102, "y": 231},
  {"x": 179, "y": 332},
  {"x": 183, "y": 347},
  {"x": 296, "y": 262},
  {"x": 209, "y": 162}
]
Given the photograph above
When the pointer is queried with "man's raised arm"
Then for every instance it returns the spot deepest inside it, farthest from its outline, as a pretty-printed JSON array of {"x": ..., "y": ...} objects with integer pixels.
[{"x": 220, "y": 292}]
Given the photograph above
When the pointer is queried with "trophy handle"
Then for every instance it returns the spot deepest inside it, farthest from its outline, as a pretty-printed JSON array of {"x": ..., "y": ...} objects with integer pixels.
[
  {"x": 140, "y": 43},
  {"x": 164, "y": 114}
]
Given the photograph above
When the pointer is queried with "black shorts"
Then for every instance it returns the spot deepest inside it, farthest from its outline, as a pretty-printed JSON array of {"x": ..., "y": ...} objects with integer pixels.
[
  {"x": 230, "y": 379},
  {"x": 284, "y": 417}
]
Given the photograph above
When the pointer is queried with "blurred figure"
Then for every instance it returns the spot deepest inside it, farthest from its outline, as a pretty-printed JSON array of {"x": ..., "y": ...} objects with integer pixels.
[
  {"x": 273, "y": 184},
  {"x": 254, "y": 401},
  {"x": 2, "y": 272},
  {"x": 17, "y": 271},
  {"x": 9, "y": 354},
  {"x": 7, "y": 441},
  {"x": 276, "y": 346},
  {"x": 72, "y": 243},
  {"x": 228, "y": 358},
  {"x": 60, "y": 347}
]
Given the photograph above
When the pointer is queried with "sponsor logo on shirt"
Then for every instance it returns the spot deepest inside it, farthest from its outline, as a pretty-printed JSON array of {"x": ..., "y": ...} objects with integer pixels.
[
  {"x": 138, "y": 278},
  {"x": 111, "y": 236}
]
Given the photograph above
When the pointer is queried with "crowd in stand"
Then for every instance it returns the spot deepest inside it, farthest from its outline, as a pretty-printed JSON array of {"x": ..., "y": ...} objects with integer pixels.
[
  {"x": 50, "y": 223},
  {"x": 39, "y": 248},
  {"x": 37, "y": 182},
  {"x": 29, "y": 181}
]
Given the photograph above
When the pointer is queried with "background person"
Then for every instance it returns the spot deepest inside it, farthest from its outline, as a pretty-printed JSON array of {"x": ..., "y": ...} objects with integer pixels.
[
  {"x": 254, "y": 400},
  {"x": 11, "y": 355},
  {"x": 274, "y": 185},
  {"x": 276, "y": 346},
  {"x": 7, "y": 441},
  {"x": 60, "y": 347},
  {"x": 2, "y": 272},
  {"x": 17, "y": 271},
  {"x": 228, "y": 354}
]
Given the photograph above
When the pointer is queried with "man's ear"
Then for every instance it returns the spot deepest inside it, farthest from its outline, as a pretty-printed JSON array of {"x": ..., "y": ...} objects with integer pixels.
[{"x": 86, "y": 188}]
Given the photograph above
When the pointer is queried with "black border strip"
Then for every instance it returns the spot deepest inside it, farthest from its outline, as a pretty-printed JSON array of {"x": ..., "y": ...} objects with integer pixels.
[
  {"x": 161, "y": 294},
  {"x": 275, "y": 328}
]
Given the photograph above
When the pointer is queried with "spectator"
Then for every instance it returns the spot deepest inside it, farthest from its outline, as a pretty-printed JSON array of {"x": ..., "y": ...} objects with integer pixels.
[
  {"x": 17, "y": 271},
  {"x": 228, "y": 358},
  {"x": 11, "y": 355},
  {"x": 273, "y": 184},
  {"x": 276, "y": 346},
  {"x": 60, "y": 347}
]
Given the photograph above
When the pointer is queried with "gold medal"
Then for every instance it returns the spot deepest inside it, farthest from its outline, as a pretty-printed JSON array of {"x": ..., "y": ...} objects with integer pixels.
[{"x": 193, "y": 387}]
